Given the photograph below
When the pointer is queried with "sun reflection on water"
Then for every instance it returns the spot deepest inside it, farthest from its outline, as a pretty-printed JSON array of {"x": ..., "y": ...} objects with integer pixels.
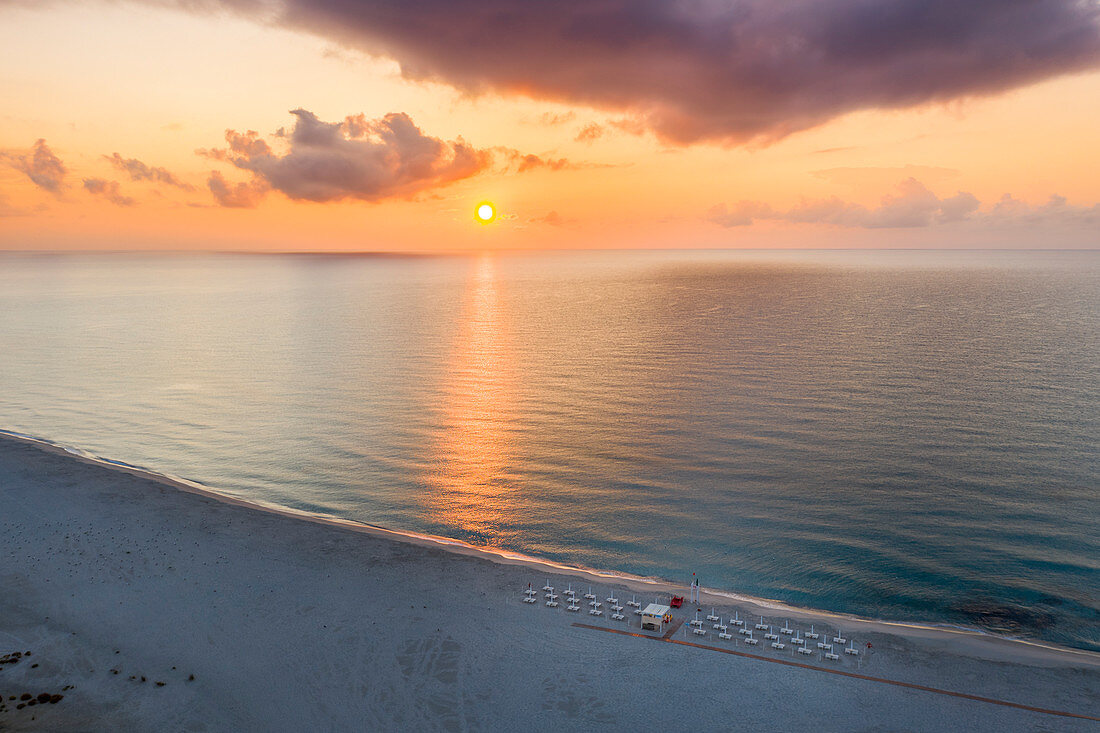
[{"x": 471, "y": 481}]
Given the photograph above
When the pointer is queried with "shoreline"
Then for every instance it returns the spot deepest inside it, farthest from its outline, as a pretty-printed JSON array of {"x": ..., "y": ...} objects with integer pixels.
[
  {"x": 988, "y": 644},
  {"x": 148, "y": 604}
]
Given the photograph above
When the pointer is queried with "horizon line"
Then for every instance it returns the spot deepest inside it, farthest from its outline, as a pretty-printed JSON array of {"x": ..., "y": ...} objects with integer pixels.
[{"x": 519, "y": 251}]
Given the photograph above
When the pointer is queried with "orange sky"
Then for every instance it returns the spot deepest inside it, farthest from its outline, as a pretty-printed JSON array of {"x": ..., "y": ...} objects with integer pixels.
[{"x": 156, "y": 84}]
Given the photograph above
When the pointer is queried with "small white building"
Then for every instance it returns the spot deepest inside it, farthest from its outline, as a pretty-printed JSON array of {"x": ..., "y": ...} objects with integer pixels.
[{"x": 655, "y": 616}]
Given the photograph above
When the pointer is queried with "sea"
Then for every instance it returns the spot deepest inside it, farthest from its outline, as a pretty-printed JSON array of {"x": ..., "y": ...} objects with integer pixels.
[{"x": 902, "y": 435}]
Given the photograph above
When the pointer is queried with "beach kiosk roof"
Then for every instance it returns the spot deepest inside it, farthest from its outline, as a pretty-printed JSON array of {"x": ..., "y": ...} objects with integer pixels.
[
  {"x": 655, "y": 609},
  {"x": 653, "y": 617}
]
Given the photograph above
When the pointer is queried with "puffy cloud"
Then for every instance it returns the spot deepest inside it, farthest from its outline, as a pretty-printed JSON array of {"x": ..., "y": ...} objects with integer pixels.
[
  {"x": 630, "y": 125},
  {"x": 522, "y": 162},
  {"x": 708, "y": 70},
  {"x": 957, "y": 207},
  {"x": 911, "y": 205},
  {"x": 741, "y": 214},
  {"x": 108, "y": 190},
  {"x": 243, "y": 195},
  {"x": 590, "y": 132},
  {"x": 530, "y": 162},
  {"x": 357, "y": 158},
  {"x": 1010, "y": 211},
  {"x": 41, "y": 166},
  {"x": 243, "y": 144},
  {"x": 139, "y": 171}
]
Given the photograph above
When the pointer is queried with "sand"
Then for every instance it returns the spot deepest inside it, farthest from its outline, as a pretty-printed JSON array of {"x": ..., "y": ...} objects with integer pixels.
[{"x": 116, "y": 581}]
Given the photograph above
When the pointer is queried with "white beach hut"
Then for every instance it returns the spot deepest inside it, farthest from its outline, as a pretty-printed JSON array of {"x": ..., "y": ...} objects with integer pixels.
[{"x": 653, "y": 616}]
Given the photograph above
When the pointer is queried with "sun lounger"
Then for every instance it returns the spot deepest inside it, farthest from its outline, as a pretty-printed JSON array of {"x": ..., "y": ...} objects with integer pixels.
[
  {"x": 804, "y": 650},
  {"x": 552, "y": 604},
  {"x": 832, "y": 657},
  {"x": 595, "y": 612},
  {"x": 725, "y": 636},
  {"x": 618, "y": 616},
  {"x": 778, "y": 645},
  {"x": 852, "y": 650},
  {"x": 752, "y": 641},
  {"x": 823, "y": 645},
  {"x": 530, "y": 599},
  {"x": 573, "y": 607},
  {"x": 839, "y": 640}
]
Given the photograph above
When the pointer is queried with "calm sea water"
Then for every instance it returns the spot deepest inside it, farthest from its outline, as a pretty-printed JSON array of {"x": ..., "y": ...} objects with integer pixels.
[{"x": 903, "y": 435}]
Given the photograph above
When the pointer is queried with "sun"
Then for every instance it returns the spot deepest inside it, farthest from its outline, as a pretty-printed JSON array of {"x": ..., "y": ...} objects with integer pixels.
[{"x": 485, "y": 212}]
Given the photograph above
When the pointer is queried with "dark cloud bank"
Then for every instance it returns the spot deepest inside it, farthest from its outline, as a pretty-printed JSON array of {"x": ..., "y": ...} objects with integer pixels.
[{"x": 710, "y": 70}]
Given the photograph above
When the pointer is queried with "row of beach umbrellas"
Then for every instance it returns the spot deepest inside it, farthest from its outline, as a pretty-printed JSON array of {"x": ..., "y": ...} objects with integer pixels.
[{"x": 799, "y": 640}]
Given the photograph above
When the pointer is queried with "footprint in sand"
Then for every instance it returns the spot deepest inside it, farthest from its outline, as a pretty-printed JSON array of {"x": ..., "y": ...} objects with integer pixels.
[
  {"x": 432, "y": 665},
  {"x": 570, "y": 697}
]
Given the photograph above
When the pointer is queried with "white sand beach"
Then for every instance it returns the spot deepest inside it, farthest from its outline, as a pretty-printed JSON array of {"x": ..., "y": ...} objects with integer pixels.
[{"x": 149, "y": 606}]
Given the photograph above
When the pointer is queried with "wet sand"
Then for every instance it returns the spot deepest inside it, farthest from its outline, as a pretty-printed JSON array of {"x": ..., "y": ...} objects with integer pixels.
[{"x": 255, "y": 619}]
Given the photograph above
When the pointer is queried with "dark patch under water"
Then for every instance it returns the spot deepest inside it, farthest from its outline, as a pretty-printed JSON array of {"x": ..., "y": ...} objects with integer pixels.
[{"x": 1004, "y": 618}]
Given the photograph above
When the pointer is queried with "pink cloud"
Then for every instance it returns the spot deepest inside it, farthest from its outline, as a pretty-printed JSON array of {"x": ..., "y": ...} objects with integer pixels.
[{"x": 358, "y": 158}]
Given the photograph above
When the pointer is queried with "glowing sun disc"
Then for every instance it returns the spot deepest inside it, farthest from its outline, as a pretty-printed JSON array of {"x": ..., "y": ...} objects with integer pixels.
[{"x": 485, "y": 213}]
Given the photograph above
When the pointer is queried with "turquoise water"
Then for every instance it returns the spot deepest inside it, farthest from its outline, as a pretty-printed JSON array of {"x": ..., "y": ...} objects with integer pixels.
[{"x": 904, "y": 435}]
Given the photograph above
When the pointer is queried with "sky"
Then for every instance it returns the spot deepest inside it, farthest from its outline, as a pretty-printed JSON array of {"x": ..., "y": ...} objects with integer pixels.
[{"x": 335, "y": 125}]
